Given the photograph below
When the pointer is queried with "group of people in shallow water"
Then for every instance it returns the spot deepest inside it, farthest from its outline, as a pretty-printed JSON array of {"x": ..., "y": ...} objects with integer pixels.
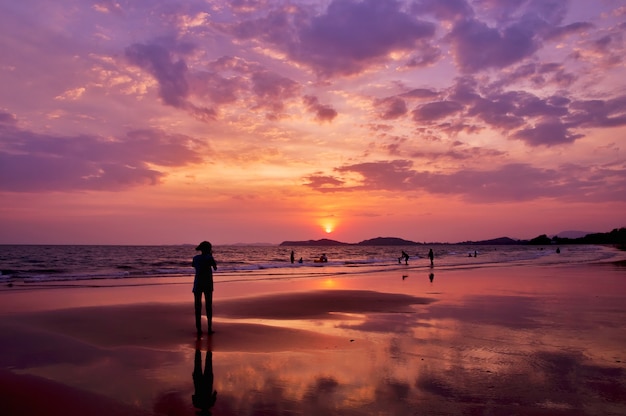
[{"x": 404, "y": 256}]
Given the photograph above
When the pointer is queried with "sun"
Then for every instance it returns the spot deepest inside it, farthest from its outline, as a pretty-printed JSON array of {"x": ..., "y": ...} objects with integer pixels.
[{"x": 327, "y": 223}]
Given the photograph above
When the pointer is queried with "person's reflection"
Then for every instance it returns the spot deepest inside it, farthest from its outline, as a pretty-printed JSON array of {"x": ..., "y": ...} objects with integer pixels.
[
  {"x": 204, "y": 396},
  {"x": 431, "y": 276}
]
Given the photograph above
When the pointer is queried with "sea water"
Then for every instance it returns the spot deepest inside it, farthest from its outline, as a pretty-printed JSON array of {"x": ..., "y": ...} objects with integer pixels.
[{"x": 38, "y": 264}]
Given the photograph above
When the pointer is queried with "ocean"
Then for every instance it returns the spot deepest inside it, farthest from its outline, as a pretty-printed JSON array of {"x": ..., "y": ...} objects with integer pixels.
[{"x": 41, "y": 264}]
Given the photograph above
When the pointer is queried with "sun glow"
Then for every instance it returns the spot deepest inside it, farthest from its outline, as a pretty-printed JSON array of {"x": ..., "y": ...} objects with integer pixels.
[{"x": 328, "y": 224}]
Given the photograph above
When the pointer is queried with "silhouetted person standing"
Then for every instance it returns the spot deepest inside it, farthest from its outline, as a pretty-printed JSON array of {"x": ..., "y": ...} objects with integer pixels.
[
  {"x": 204, "y": 264},
  {"x": 431, "y": 256},
  {"x": 293, "y": 257},
  {"x": 404, "y": 256},
  {"x": 204, "y": 396}
]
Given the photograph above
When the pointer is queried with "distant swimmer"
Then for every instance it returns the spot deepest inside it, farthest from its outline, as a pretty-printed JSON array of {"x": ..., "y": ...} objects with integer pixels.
[
  {"x": 300, "y": 261},
  {"x": 558, "y": 250},
  {"x": 404, "y": 256},
  {"x": 431, "y": 256}
]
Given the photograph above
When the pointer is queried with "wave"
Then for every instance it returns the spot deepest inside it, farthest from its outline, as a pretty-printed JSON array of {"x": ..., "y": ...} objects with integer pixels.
[{"x": 70, "y": 263}]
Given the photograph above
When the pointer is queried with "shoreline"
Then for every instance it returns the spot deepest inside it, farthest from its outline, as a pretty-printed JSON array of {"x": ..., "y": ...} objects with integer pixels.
[{"x": 496, "y": 340}]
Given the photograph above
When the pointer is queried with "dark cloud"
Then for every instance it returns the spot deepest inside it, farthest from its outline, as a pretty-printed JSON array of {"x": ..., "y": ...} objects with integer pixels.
[
  {"x": 420, "y": 93},
  {"x": 7, "y": 120},
  {"x": 477, "y": 46},
  {"x": 242, "y": 79},
  {"x": 511, "y": 182},
  {"x": 346, "y": 39},
  {"x": 171, "y": 75},
  {"x": 216, "y": 88},
  {"x": 598, "y": 113},
  {"x": 391, "y": 108},
  {"x": 460, "y": 154},
  {"x": 436, "y": 110},
  {"x": 272, "y": 89},
  {"x": 561, "y": 32},
  {"x": 321, "y": 182},
  {"x": 426, "y": 55},
  {"x": 32, "y": 162},
  {"x": 322, "y": 112},
  {"x": 447, "y": 10},
  {"x": 173, "y": 86},
  {"x": 538, "y": 121},
  {"x": 352, "y": 35}
]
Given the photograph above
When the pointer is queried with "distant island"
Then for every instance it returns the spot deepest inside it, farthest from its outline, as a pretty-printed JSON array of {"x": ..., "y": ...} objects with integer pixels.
[{"x": 616, "y": 237}]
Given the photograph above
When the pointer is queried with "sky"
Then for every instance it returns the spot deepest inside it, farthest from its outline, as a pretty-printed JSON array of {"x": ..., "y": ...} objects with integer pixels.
[{"x": 247, "y": 121}]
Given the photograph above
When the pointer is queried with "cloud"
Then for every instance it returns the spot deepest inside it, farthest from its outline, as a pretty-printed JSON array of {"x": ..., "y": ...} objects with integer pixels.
[
  {"x": 322, "y": 112},
  {"x": 172, "y": 77},
  {"x": 436, "y": 110},
  {"x": 321, "y": 182},
  {"x": 598, "y": 113},
  {"x": 548, "y": 133},
  {"x": 352, "y": 35},
  {"x": 31, "y": 162},
  {"x": 156, "y": 59},
  {"x": 347, "y": 38},
  {"x": 391, "y": 108},
  {"x": 512, "y": 182},
  {"x": 476, "y": 46},
  {"x": 447, "y": 10}
]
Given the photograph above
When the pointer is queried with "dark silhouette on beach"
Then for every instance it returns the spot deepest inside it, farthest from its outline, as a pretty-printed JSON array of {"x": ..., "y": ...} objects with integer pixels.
[
  {"x": 431, "y": 276},
  {"x": 322, "y": 259},
  {"x": 204, "y": 397},
  {"x": 404, "y": 256},
  {"x": 292, "y": 257},
  {"x": 204, "y": 264},
  {"x": 431, "y": 256}
]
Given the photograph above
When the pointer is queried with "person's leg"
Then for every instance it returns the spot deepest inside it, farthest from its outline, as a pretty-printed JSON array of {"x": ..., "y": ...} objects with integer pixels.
[
  {"x": 197, "y": 301},
  {"x": 208, "y": 300}
]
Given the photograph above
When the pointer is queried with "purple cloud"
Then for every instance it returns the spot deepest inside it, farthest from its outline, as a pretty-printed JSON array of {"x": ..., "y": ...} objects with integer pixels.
[
  {"x": 510, "y": 182},
  {"x": 272, "y": 89},
  {"x": 477, "y": 46},
  {"x": 346, "y": 39},
  {"x": 436, "y": 110},
  {"x": 391, "y": 108},
  {"x": 447, "y": 10},
  {"x": 322, "y": 112},
  {"x": 173, "y": 87},
  {"x": 31, "y": 162},
  {"x": 172, "y": 77},
  {"x": 352, "y": 35}
]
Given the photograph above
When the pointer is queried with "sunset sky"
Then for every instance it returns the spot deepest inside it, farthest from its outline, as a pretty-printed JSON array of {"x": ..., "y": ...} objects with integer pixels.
[{"x": 167, "y": 122}]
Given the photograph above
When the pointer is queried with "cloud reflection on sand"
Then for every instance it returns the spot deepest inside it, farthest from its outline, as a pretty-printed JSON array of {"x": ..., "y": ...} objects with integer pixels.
[{"x": 531, "y": 341}]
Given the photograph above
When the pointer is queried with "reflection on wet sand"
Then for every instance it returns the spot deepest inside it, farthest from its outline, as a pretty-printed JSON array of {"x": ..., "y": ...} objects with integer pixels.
[
  {"x": 204, "y": 395},
  {"x": 527, "y": 341}
]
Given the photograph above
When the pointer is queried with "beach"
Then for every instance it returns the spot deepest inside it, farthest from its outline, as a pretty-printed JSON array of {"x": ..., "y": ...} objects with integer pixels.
[{"x": 498, "y": 339}]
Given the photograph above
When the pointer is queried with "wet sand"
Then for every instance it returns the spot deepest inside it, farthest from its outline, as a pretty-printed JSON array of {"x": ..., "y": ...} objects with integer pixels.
[{"x": 500, "y": 340}]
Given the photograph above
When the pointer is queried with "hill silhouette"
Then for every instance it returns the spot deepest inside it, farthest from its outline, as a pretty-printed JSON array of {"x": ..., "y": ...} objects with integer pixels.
[{"x": 615, "y": 237}]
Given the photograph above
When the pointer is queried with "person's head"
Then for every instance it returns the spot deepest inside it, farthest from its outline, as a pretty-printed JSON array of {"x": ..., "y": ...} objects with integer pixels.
[{"x": 205, "y": 247}]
